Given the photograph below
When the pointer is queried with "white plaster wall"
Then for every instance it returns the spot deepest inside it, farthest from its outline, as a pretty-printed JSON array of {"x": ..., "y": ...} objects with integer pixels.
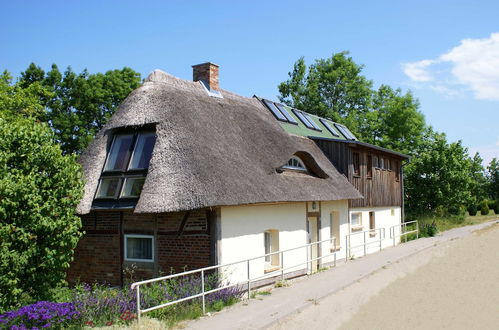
[
  {"x": 326, "y": 209},
  {"x": 383, "y": 219},
  {"x": 242, "y": 237},
  {"x": 242, "y": 229}
]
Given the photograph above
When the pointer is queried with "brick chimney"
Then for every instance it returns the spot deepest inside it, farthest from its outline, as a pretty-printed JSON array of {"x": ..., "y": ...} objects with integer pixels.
[{"x": 208, "y": 72}]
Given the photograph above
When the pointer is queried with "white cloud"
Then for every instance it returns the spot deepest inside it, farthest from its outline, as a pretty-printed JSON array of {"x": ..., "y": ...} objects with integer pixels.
[
  {"x": 474, "y": 64},
  {"x": 418, "y": 71}
]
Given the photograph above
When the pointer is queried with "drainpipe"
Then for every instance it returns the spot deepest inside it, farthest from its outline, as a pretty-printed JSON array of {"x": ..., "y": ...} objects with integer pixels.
[{"x": 402, "y": 194}]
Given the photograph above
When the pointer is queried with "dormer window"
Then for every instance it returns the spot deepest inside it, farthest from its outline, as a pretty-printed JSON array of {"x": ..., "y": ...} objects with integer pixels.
[
  {"x": 295, "y": 163},
  {"x": 126, "y": 165}
]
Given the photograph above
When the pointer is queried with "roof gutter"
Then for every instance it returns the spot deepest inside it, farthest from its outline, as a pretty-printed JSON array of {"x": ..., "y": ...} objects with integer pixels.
[{"x": 363, "y": 144}]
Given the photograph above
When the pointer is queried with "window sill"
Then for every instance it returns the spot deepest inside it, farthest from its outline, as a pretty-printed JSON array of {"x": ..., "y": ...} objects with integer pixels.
[
  {"x": 270, "y": 269},
  {"x": 335, "y": 249},
  {"x": 357, "y": 228}
]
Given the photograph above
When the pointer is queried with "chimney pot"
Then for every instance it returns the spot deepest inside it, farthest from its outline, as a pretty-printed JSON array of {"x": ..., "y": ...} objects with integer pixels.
[{"x": 208, "y": 72}]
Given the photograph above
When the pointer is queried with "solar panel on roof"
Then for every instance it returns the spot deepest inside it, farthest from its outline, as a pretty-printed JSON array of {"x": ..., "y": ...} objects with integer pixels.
[
  {"x": 304, "y": 119},
  {"x": 329, "y": 127},
  {"x": 278, "y": 114},
  {"x": 286, "y": 113},
  {"x": 312, "y": 122}
]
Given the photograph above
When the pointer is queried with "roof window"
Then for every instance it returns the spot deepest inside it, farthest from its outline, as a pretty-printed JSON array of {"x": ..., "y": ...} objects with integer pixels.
[
  {"x": 126, "y": 165},
  {"x": 345, "y": 131},
  {"x": 329, "y": 127}
]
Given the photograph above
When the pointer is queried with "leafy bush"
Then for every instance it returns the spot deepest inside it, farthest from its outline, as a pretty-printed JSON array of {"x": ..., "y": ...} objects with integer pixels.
[
  {"x": 472, "y": 210},
  {"x": 428, "y": 229},
  {"x": 484, "y": 207},
  {"x": 39, "y": 191},
  {"x": 43, "y": 314},
  {"x": 494, "y": 205}
]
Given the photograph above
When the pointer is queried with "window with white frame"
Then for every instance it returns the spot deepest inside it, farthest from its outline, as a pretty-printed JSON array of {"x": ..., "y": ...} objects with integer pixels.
[
  {"x": 139, "y": 248},
  {"x": 271, "y": 243},
  {"x": 356, "y": 219},
  {"x": 295, "y": 163}
]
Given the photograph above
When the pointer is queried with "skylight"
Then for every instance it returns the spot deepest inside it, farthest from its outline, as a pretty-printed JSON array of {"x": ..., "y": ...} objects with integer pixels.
[
  {"x": 311, "y": 120},
  {"x": 285, "y": 112},
  {"x": 329, "y": 127},
  {"x": 277, "y": 113},
  {"x": 345, "y": 131},
  {"x": 307, "y": 120}
]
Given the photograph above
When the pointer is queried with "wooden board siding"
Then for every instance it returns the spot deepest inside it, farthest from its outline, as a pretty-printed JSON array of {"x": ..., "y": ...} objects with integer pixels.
[{"x": 381, "y": 190}]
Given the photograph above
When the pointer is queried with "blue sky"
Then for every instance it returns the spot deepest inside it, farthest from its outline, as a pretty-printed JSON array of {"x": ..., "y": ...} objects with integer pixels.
[{"x": 444, "y": 51}]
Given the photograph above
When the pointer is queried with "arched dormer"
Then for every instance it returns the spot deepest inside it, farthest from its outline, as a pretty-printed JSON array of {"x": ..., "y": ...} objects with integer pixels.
[
  {"x": 295, "y": 163},
  {"x": 303, "y": 162}
]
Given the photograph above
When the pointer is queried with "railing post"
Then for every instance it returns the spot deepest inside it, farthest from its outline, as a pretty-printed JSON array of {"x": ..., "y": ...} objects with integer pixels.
[
  {"x": 138, "y": 304},
  {"x": 380, "y": 240},
  {"x": 365, "y": 245},
  {"x": 417, "y": 227},
  {"x": 202, "y": 290},
  {"x": 334, "y": 258},
  {"x": 249, "y": 281},
  {"x": 393, "y": 236},
  {"x": 346, "y": 248},
  {"x": 311, "y": 257},
  {"x": 282, "y": 266}
]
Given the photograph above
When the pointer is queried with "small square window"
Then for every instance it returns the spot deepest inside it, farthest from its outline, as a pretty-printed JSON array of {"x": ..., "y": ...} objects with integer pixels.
[
  {"x": 356, "y": 219},
  {"x": 108, "y": 187},
  {"x": 132, "y": 187},
  {"x": 139, "y": 248}
]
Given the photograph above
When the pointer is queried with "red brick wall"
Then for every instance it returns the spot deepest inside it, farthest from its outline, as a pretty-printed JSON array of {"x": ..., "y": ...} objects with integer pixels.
[{"x": 98, "y": 256}]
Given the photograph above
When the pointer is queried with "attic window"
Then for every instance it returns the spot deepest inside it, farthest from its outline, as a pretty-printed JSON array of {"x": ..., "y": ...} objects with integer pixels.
[
  {"x": 346, "y": 132},
  {"x": 296, "y": 164},
  {"x": 307, "y": 120},
  {"x": 280, "y": 112},
  {"x": 329, "y": 127},
  {"x": 126, "y": 165}
]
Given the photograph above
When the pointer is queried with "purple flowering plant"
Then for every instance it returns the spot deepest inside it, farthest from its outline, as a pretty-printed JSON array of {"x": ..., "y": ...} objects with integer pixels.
[{"x": 43, "y": 314}]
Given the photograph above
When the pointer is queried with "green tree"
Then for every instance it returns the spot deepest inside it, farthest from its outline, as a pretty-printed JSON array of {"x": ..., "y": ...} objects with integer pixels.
[
  {"x": 439, "y": 176},
  {"x": 396, "y": 122},
  {"x": 26, "y": 101},
  {"x": 478, "y": 187},
  {"x": 493, "y": 179},
  {"x": 81, "y": 103},
  {"x": 332, "y": 87},
  {"x": 335, "y": 88},
  {"x": 39, "y": 191}
]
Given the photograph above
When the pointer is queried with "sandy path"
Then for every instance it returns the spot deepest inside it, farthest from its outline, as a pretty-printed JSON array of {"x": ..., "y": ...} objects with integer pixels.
[{"x": 453, "y": 286}]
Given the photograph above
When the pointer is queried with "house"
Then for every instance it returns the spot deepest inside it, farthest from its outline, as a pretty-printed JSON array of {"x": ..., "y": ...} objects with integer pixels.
[{"x": 186, "y": 174}]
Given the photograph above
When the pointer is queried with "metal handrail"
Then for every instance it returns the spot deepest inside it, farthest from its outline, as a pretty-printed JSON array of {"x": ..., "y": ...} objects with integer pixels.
[
  {"x": 247, "y": 282},
  {"x": 403, "y": 230},
  {"x": 348, "y": 240}
]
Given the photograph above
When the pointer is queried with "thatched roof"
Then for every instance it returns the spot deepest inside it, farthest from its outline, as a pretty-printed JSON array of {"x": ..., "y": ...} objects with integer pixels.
[{"x": 212, "y": 151}]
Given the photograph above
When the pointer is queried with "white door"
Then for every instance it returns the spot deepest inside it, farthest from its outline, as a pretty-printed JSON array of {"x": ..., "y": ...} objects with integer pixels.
[{"x": 313, "y": 231}]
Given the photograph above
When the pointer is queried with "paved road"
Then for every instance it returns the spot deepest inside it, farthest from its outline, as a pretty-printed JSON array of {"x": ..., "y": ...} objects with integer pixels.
[{"x": 309, "y": 291}]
